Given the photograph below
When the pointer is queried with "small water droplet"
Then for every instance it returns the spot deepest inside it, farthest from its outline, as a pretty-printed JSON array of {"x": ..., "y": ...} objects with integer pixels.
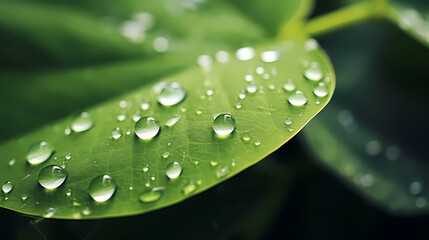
[
  {"x": 321, "y": 90},
  {"x": 161, "y": 44},
  {"x": 373, "y": 148},
  {"x": 297, "y": 99},
  {"x": 116, "y": 133},
  {"x": 136, "y": 116},
  {"x": 152, "y": 178},
  {"x": 213, "y": 163},
  {"x": 248, "y": 77},
  {"x": 174, "y": 170},
  {"x": 246, "y": 137},
  {"x": 12, "y": 162},
  {"x": 224, "y": 124},
  {"x": 52, "y": 176},
  {"x": 172, "y": 121},
  {"x": 68, "y": 156},
  {"x": 152, "y": 195},
  {"x": 189, "y": 188},
  {"x": 49, "y": 213},
  {"x": 39, "y": 152},
  {"x": 82, "y": 123},
  {"x": 257, "y": 143},
  {"x": 166, "y": 155},
  {"x": 123, "y": 104},
  {"x": 145, "y": 169},
  {"x": 222, "y": 56},
  {"x": 145, "y": 106},
  {"x": 311, "y": 44},
  {"x": 102, "y": 188},
  {"x": 147, "y": 128},
  {"x": 415, "y": 188},
  {"x": 238, "y": 106},
  {"x": 69, "y": 192},
  {"x": 86, "y": 211},
  {"x": 270, "y": 56},
  {"x": 251, "y": 87},
  {"x": 288, "y": 121},
  {"x": 67, "y": 131},
  {"x": 205, "y": 62},
  {"x": 198, "y": 112},
  {"x": 313, "y": 74},
  {"x": 260, "y": 70},
  {"x": 24, "y": 197},
  {"x": 242, "y": 95},
  {"x": 7, "y": 187},
  {"x": 272, "y": 87},
  {"x": 172, "y": 94},
  {"x": 245, "y": 54},
  {"x": 289, "y": 86},
  {"x": 122, "y": 116},
  {"x": 222, "y": 172}
]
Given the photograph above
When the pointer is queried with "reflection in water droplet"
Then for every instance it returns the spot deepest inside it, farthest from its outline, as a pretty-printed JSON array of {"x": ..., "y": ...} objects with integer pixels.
[
  {"x": 189, "y": 188},
  {"x": 116, "y": 133},
  {"x": 172, "y": 121},
  {"x": 82, "y": 123},
  {"x": 321, "y": 90},
  {"x": 222, "y": 56},
  {"x": 174, "y": 170},
  {"x": 415, "y": 188},
  {"x": 373, "y": 148},
  {"x": 270, "y": 56},
  {"x": 297, "y": 99},
  {"x": 7, "y": 187},
  {"x": 52, "y": 176},
  {"x": 246, "y": 53},
  {"x": 102, "y": 188},
  {"x": 161, "y": 44},
  {"x": 313, "y": 74},
  {"x": 222, "y": 172},
  {"x": 152, "y": 195},
  {"x": 289, "y": 86},
  {"x": 39, "y": 152},
  {"x": 246, "y": 137},
  {"x": 224, "y": 124},
  {"x": 172, "y": 94},
  {"x": 147, "y": 128}
]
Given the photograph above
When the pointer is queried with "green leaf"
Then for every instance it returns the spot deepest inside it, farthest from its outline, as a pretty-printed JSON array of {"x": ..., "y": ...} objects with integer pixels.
[
  {"x": 411, "y": 17},
  {"x": 206, "y": 158},
  {"x": 371, "y": 135}
]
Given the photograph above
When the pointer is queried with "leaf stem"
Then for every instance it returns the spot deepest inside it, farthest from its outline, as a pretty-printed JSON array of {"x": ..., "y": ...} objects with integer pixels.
[{"x": 344, "y": 17}]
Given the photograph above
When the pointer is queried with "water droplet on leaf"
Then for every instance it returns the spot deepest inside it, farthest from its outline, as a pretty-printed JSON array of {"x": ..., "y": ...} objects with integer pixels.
[
  {"x": 147, "y": 128},
  {"x": 82, "y": 123},
  {"x": 102, "y": 188},
  {"x": 39, "y": 152},
  {"x": 224, "y": 124},
  {"x": 52, "y": 176},
  {"x": 172, "y": 94},
  {"x": 297, "y": 99},
  {"x": 174, "y": 170}
]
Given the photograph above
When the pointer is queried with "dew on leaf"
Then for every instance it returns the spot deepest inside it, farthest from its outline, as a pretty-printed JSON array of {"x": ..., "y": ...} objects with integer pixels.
[
  {"x": 248, "y": 77},
  {"x": 313, "y": 74},
  {"x": 7, "y": 187},
  {"x": 161, "y": 44},
  {"x": 147, "y": 128},
  {"x": 174, "y": 170},
  {"x": 152, "y": 195},
  {"x": 251, "y": 87},
  {"x": 222, "y": 56},
  {"x": 289, "y": 86},
  {"x": 116, "y": 133},
  {"x": 172, "y": 94},
  {"x": 246, "y": 137},
  {"x": 224, "y": 124},
  {"x": 39, "y": 152},
  {"x": 205, "y": 62},
  {"x": 222, "y": 172},
  {"x": 172, "y": 121},
  {"x": 189, "y": 188},
  {"x": 270, "y": 56},
  {"x": 245, "y": 54},
  {"x": 288, "y": 121},
  {"x": 320, "y": 90},
  {"x": 260, "y": 70},
  {"x": 102, "y": 188},
  {"x": 52, "y": 176},
  {"x": 166, "y": 155},
  {"x": 50, "y": 212},
  {"x": 11, "y": 162},
  {"x": 145, "y": 106},
  {"x": 297, "y": 99},
  {"x": 82, "y": 123}
]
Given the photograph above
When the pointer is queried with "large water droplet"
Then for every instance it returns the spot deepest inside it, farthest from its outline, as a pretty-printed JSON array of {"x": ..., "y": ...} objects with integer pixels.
[
  {"x": 313, "y": 74},
  {"x": 39, "y": 152},
  {"x": 174, "y": 170},
  {"x": 116, "y": 133},
  {"x": 172, "y": 121},
  {"x": 147, "y": 128},
  {"x": 102, "y": 188},
  {"x": 152, "y": 195},
  {"x": 245, "y": 53},
  {"x": 172, "y": 94},
  {"x": 52, "y": 176},
  {"x": 297, "y": 99},
  {"x": 82, "y": 123},
  {"x": 7, "y": 187},
  {"x": 270, "y": 56},
  {"x": 321, "y": 90},
  {"x": 224, "y": 124}
]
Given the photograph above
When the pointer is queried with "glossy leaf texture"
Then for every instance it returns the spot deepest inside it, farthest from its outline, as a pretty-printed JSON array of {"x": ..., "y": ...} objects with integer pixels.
[
  {"x": 266, "y": 117},
  {"x": 372, "y": 134},
  {"x": 412, "y": 17}
]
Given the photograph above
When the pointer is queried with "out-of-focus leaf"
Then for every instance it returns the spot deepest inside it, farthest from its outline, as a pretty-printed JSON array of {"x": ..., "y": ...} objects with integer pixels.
[{"x": 371, "y": 135}]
